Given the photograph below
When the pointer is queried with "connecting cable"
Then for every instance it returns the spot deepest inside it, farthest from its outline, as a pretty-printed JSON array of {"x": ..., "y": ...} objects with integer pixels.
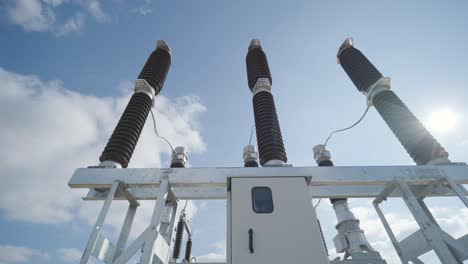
[
  {"x": 337, "y": 131},
  {"x": 251, "y": 133},
  {"x": 157, "y": 134},
  {"x": 315, "y": 206},
  {"x": 347, "y": 128},
  {"x": 344, "y": 129}
]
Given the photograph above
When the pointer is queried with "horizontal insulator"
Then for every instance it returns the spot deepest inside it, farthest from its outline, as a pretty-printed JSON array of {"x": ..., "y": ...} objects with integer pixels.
[
  {"x": 156, "y": 69},
  {"x": 188, "y": 250},
  {"x": 178, "y": 239},
  {"x": 418, "y": 142},
  {"x": 257, "y": 66},
  {"x": 269, "y": 138},
  {"x": 359, "y": 69},
  {"x": 123, "y": 141}
]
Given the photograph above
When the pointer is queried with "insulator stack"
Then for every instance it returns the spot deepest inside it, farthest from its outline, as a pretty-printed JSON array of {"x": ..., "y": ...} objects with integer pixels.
[
  {"x": 188, "y": 250},
  {"x": 179, "y": 158},
  {"x": 250, "y": 156},
  {"x": 415, "y": 138},
  {"x": 350, "y": 238},
  {"x": 418, "y": 142},
  {"x": 257, "y": 64},
  {"x": 178, "y": 239},
  {"x": 269, "y": 138},
  {"x": 323, "y": 159},
  {"x": 122, "y": 143},
  {"x": 359, "y": 69},
  {"x": 157, "y": 66},
  {"x": 125, "y": 136}
]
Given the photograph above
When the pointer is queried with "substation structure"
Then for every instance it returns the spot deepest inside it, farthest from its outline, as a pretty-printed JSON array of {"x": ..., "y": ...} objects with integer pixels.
[{"x": 270, "y": 216}]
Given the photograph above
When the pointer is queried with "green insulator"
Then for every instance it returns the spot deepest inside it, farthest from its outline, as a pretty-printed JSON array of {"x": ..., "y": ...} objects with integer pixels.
[{"x": 415, "y": 138}]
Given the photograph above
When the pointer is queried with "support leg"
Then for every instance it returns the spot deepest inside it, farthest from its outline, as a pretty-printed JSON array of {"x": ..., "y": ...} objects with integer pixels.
[
  {"x": 125, "y": 231},
  {"x": 148, "y": 250},
  {"x": 390, "y": 233},
  {"x": 427, "y": 227},
  {"x": 99, "y": 222},
  {"x": 459, "y": 190},
  {"x": 428, "y": 212}
]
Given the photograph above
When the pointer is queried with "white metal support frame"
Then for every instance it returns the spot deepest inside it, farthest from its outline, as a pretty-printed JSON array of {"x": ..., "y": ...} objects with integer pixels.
[
  {"x": 149, "y": 247},
  {"x": 167, "y": 186},
  {"x": 154, "y": 241},
  {"x": 98, "y": 245},
  {"x": 430, "y": 236},
  {"x": 95, "y": 235}
]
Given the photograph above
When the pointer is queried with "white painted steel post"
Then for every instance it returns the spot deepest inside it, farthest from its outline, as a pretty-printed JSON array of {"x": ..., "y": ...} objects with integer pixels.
[
  {"x": 132, "y": 248},
  {"x": 458, "y": 189},
  {"x": 148, "y": 249},
  {"x": 125, "y": 231},
  {"x": 390, "y": 233},
  {"x": 99, "y": 222},
  {"x": 425, "y": 223}
]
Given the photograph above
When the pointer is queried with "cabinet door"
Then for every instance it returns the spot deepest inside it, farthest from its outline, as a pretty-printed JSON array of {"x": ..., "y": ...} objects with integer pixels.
[{"x": 273, "y": 221}]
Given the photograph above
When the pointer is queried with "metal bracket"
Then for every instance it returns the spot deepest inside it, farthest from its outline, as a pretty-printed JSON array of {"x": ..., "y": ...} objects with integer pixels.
[
  {"x": 151, "y": 241},
  {"x": 430, "y": 236}
]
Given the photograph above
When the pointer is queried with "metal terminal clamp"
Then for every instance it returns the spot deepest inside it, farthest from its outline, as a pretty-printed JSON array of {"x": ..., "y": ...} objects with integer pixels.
[
  {"x": 381, "y": 85},
  {"x": 250, "y": 154},
  {"x": 262, "y": 85},
  {"x": 179, "y": 156},
  {"x": 142, "y": 86}
]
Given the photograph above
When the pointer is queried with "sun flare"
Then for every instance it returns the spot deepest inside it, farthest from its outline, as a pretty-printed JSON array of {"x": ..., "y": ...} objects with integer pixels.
[{"x": 442, "y": 120}]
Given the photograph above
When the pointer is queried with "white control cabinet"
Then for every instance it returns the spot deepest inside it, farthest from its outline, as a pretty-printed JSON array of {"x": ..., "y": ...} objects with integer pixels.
[{"x": 272, "y": 220}]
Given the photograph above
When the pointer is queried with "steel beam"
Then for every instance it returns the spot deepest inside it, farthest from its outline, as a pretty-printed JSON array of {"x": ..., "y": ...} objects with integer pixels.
[
  {"x": 428, "y": 229},
  {"x": 324, "y": 182},
  {"x": 153, "y": 232},
  {"x": 99, "y": 223}
]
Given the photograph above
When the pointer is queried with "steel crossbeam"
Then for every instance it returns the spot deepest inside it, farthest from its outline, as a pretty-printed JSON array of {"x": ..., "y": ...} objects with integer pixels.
[{"x": 324, "y": 182}]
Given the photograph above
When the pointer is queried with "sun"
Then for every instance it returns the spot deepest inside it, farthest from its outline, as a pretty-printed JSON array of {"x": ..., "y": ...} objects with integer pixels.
[{"x": 442, "y": 120}]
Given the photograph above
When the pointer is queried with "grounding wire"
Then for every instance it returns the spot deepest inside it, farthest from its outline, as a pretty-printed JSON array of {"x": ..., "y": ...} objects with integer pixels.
[{"x": 157, "y": 134}]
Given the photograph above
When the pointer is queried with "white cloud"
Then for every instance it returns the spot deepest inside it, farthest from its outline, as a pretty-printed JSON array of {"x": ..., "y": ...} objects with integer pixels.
[
  {"x": 74, "y": 24},
  {"x": 44, "y": 16},
  {"x": 203, "y": 205},
  {"x": 13, "y": 254},
  {"x": 218, "y": 254},
  {"x": 31, "y": 15},
  {"x": 71, "y": 255},
  {"x": 401, "y": 224},
  {"x": 53, "y": 3},
  {"x": 95, "y": 9},
  {"x": 452, "y": 220},
  {"x": 48, "y": 131},
  {"x": 144, "y": 9}
]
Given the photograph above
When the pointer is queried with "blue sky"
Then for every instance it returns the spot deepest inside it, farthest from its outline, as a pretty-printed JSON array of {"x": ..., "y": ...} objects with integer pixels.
[{"x": 66, "y": 68}]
